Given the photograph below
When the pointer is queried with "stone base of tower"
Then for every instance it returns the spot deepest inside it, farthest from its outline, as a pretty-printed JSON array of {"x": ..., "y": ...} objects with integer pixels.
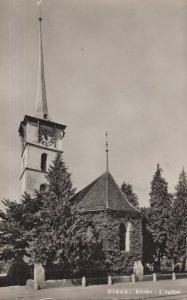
[{"x": 33, "y": 180}]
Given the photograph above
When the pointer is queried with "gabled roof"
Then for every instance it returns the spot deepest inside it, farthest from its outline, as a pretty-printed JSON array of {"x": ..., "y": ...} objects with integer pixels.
[{"x": 102, "y": 194}]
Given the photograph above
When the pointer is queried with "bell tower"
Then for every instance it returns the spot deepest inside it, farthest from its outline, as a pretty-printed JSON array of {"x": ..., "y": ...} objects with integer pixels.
[{"x": 41, "y": 137}]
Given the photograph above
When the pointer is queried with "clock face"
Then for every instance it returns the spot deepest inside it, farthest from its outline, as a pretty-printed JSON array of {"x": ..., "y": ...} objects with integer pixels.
[{"x": 46, "y": 137}]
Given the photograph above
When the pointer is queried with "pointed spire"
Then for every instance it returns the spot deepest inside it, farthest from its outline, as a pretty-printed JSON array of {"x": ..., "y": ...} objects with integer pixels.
[
  {"x": 107, "y": 164},
  {"x": 107, "y": 169},
  {"x": 41, "y": 100}
]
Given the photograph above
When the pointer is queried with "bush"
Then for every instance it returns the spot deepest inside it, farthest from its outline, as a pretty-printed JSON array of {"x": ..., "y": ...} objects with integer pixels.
[{"x": 18, "y": 272}]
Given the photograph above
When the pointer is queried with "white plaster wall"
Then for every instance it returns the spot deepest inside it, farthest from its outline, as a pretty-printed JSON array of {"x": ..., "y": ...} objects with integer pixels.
[
  {"x": 23, "y": 183},
  {"x": 34, "y": 180},
  {"x": 34, "y": 157},
  {"x": 59, "y": 141},
  {"x": 32, "y": 132},
  {"x": 24, "y": 161}
]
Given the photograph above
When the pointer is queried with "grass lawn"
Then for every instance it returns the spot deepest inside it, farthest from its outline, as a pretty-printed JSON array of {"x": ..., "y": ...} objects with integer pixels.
[{"x": 140, "y": 290}]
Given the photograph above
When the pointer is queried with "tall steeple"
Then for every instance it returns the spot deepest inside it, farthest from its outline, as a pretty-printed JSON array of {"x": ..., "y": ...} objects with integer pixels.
[
  {"x": 107, "y": 163},
  {"x": 107, "y": 169},
  {"x": 41, "y": 137},
  {"x": 41, "y": 110}
]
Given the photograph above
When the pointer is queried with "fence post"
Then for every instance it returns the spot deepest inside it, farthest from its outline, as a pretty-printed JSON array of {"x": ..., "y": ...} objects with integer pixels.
[
  {"x": 39, "y": 276},
  {"x": 109, "y": 280},
  {"x": 83, "y": 281},
  {"x": 154, "y": 277},
  {"x": 133, "y": 278},
  {"x": 173, "y": 276}
]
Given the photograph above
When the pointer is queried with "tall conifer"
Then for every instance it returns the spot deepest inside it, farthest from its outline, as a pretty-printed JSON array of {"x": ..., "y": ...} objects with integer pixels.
[
  {"x": 159, "y": 213},
  {"x": 64, "y": 237},
  {"x": 179, "y": 212},
  {"x": 127, "y": 189},
  {"x": 48, "y": 240}
]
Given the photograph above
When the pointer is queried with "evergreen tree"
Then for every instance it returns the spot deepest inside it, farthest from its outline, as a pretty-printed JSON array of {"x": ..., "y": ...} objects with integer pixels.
[
  {"x": 49, "y": 239},
  {"x": 64, "y": 237},
  {"x": 149, "y": 250},
  {"x": 159, "y": 213},
  {"x": 178, "y": 223},
  {"x": 127, "y": 189},
  {"x": 172, "y": 238}
]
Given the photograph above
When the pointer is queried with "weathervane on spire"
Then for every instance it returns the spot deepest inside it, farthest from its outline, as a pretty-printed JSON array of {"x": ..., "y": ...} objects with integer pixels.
[
  {"x": 40, "y": 13},
  {"x": 107, "y": 164}
]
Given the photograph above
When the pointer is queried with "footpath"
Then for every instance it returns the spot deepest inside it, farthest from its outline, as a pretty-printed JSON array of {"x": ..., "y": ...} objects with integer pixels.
[{"x": 161, "y": 290}]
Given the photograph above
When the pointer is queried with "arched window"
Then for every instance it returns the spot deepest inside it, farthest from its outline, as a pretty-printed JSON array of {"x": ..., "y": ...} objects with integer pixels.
[
  {"x": 128, "y": 229},
  {"x": 43, "y": 187},
  {"x": 44, "y": 162},
  {"x": 122, "y": 237}
]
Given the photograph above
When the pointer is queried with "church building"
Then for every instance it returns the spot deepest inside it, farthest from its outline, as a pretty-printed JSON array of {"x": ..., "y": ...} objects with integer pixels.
[{"x": 118, "y": 222}]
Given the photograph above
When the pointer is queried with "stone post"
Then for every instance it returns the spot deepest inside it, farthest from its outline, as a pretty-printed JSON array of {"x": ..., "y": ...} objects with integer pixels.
[
  {"x": 39, "y": 276},
  {"x": 173, "y": 276},
  {"x": 133, "y": 278},
  {"x": 154, "y": 277},
  {"x": 138, "y": 269},
  {"x": 83, "y": 281},
  {"x": 109, "y": 280}
]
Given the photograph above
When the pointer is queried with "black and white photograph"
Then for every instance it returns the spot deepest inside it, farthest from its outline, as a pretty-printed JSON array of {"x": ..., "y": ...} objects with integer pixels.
[{"x": 93, "y": 156}]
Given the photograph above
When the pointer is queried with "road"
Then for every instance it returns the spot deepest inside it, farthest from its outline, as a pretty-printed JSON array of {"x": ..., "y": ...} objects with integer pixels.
[{"x": 166, "y": 290}]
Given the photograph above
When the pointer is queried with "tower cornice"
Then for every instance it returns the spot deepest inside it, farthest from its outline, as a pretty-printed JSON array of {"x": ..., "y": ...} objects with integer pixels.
[{"x": 28, "y": 118}]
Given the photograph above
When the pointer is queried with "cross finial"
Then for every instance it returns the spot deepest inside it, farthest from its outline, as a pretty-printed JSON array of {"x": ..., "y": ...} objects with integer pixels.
[{"x": 107, "y": 164}]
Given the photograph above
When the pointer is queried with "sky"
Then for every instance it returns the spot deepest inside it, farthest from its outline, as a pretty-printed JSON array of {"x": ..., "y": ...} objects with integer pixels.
[{"x": 110, "y": 65}]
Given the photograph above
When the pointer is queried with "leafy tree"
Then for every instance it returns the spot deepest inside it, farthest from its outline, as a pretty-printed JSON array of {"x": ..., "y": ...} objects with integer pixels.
[
  {"x": 127, "y": 189},
  {"x": 15, "y": 223},
  {"x": 12, "y": 241},
  {"x": 159, "y": 213},
  {"x": 4, "y": 266}
]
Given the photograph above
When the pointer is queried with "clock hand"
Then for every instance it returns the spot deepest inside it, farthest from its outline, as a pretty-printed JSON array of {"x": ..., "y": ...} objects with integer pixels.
[{"x": 45, "y": 135}]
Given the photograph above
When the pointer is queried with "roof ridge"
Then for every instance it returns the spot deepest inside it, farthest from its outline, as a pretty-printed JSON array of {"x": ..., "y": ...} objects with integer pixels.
[
  {"x": 96, "y": 180},
  {"x": 124, "y": 196}
]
